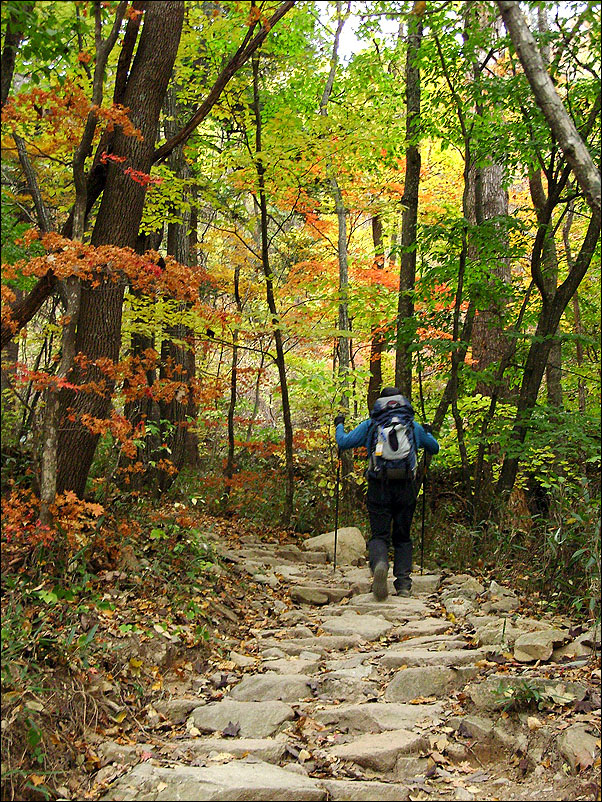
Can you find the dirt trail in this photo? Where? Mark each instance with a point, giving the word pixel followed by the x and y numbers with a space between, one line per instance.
pixel 449 694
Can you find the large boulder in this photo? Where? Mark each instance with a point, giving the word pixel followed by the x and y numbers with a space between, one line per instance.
pixel 351 545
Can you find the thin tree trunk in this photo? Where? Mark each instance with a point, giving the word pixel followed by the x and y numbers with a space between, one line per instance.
pixel 17 24
pixel 233 389
pixel 377 340
pixel 581 388
pixel 407 268
pixel 271 301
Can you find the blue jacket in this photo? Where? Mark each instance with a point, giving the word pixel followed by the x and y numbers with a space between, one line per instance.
pixel 359 437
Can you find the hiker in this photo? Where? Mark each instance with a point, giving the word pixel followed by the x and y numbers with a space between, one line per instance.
pixel 392 438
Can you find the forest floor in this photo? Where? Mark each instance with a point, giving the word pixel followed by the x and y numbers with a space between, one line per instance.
pixel 300 685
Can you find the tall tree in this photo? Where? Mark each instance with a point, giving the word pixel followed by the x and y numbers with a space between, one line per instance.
pixel 407 262
pixel 99 326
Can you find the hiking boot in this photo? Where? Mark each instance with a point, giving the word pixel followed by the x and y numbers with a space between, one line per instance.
pixel 379 582
pixel 404 590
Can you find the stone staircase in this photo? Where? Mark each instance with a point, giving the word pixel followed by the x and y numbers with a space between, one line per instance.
pixel 346 698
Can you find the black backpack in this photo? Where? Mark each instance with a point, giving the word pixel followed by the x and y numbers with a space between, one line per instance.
pixel 392 449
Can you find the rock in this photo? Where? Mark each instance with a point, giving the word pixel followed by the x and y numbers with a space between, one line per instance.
pixel 459 606
pixel 176 710
pixel 377 716
pixel 416 656
pixel 537 645
pixel 256 719
pixel 497 691
pixel 241 660
pixel 368 627
pixel 478 728
pixel 304 595
pixel 425 584
pixel 380 752
pixel 319 644
pixel 295 665
pixel 504 605
pixel 464 794
pixel 578 747
pixel 414 683
pixel 497 591
pixel 340 687
pixel 425 627
pixel 234 781
pixel 352 790
pixel 469 589
pixel 393 608
pixel 351 545
pixel 491 630
pixel 456 579
pixel 267 749
pixel 272 687
pixel 123 754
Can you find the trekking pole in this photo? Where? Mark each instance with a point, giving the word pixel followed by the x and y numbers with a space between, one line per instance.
pixel 336 509
pixel 423 469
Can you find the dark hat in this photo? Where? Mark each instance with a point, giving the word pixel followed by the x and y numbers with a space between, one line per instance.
pixel 387 392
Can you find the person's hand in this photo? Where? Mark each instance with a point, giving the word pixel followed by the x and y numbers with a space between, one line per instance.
pixel 427 428
pixel 339 419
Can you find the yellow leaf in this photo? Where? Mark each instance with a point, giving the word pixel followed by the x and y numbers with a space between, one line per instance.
pixel 37 779
pixel 120 716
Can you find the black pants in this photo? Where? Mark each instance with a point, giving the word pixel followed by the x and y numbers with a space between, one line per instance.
pixel 391 506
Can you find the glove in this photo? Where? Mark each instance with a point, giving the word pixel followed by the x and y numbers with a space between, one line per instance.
pixel 427 428
pixel 339 419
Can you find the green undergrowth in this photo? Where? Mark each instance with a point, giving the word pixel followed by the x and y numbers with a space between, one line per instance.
pixel 87 640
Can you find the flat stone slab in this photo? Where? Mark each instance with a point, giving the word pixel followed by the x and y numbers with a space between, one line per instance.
pixel 416 683
pixel 293 665
pixel 319 644
pixel 352 790
pixel 306 592
pixel 424 627
pixel 380 752
pixel 256 719
pixel 272 687
pixel 368 627
pixel 425 584
pixel 309 595
pixel 416 656
pixel 497 691
pixel 267 749
pixel 377 716
pixel 231 782
pixel 393 608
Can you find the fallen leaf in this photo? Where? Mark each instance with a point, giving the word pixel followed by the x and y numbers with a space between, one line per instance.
pixel 533 723
pixel 37 779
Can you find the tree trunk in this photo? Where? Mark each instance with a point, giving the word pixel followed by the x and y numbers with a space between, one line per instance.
pixel 271 301
pixel 99 328
pixel 377 338
pixel 17 24
pixel 537 357
pixel 561 125
pixel 406 325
